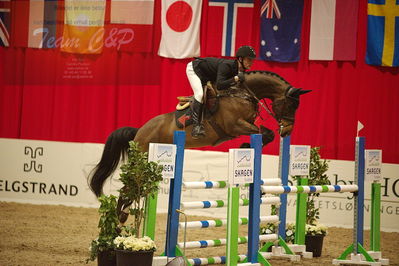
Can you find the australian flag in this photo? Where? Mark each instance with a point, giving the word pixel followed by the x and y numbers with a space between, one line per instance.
pixel 281 23
pixel 5 22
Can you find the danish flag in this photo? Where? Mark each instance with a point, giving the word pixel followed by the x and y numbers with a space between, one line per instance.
pixel 270 7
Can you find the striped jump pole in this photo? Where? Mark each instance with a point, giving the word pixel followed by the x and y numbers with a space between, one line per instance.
pixel 232 240
pixel 356 249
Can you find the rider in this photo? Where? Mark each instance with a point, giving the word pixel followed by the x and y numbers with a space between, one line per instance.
pixel 221 72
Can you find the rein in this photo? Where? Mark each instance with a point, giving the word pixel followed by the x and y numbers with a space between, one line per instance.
pixel 262 104
pixel 266 107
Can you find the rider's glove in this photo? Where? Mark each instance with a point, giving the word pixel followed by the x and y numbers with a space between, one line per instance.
pixel 241 77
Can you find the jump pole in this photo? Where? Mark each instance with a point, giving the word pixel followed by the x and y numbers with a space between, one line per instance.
pixel 356 249
pixel 284 161
pixel 232 240
pixel 375 223
pixel 151 202
pixel 172 229
pixel 358 205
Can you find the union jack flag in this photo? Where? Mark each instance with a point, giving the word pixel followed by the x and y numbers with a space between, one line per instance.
pixel 270 7
pixel 5 22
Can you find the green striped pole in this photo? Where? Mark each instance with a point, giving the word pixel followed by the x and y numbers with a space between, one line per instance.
pixel 375 216
pixel 301 212
pixel 232 226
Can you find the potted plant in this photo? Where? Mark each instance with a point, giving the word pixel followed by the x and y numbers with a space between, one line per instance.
pixel 103 246
pixel 272 228
pixel 140 179
pixel 315 231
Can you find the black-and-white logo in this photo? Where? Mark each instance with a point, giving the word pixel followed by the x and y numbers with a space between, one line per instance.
pixel 33 165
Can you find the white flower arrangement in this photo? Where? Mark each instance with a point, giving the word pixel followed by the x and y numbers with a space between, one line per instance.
pixel 135 244
pixel 316 229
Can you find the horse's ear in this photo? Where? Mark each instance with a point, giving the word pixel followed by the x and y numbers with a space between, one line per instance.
pixel 293 92
pixel 296 92
pixel 301 91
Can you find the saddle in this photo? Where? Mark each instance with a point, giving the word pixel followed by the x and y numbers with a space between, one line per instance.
pixel 183 112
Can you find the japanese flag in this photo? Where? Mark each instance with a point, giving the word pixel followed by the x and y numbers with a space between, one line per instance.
pixel 180 28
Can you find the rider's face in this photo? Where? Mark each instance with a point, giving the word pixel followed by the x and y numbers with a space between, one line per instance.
pixel 247 62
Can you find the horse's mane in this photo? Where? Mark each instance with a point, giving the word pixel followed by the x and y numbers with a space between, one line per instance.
pixel 264 72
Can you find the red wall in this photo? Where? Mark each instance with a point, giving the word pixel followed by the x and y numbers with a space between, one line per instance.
pixel 39 101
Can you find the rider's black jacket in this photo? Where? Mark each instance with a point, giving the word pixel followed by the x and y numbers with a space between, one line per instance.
pixel 219 71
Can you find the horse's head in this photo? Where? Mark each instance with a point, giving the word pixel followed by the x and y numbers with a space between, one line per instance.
pixel 284 109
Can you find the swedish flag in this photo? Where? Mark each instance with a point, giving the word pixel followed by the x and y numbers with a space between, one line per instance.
pixel 383 33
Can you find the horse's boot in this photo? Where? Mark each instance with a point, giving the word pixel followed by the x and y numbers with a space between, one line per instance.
pixel 198 128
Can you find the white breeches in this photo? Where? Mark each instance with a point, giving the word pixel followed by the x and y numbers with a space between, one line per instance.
pixel 195 82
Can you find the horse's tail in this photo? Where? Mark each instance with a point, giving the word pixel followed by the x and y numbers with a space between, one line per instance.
pixel 116 147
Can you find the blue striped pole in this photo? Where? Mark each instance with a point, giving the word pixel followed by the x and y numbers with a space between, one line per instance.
pixel 254 200
pixel 284 162
pixel 172 229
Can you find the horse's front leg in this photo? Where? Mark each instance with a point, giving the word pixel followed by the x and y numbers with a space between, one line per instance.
pixel 243 127
pixel 247 128
pixel 267 135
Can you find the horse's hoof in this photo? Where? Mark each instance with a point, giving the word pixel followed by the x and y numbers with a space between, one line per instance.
pixel 123 217
pixel 245 145
pixel 267 135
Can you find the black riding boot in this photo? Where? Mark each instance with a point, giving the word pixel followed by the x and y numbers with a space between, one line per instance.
pixel 198 129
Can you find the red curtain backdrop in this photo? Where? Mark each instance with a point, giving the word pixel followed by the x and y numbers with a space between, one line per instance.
pixel 49 95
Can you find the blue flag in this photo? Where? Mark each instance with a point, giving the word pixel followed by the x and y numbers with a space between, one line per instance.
pixel 383 33
pixel 281 23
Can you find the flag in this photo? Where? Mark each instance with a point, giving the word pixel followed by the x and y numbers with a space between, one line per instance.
pixel 5 22
pixel 84 26
pixel 333 30
pixel 383 33
pixel 34 23
pixel 42 23
pixel 359 127
pixel 180 23
pixel 132 22
pixel 228 26
pixel 281 23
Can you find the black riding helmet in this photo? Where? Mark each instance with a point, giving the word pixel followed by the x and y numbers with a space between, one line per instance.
pixel 246 51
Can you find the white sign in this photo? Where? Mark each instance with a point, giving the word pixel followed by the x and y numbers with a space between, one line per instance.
pixel 299 160
pixel 165 155
pixel 373 165
pixel 241 166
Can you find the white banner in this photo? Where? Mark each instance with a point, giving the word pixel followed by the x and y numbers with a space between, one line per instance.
pixel 44 172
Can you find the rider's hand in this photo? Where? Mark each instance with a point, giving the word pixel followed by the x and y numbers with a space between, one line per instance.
pixel 240 77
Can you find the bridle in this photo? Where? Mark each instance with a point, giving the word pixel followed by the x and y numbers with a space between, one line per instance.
pixel 264 105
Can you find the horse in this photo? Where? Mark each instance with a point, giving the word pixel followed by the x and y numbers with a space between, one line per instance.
pixel 237 109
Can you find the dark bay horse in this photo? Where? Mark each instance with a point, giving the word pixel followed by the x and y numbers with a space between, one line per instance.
pixel 236 114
